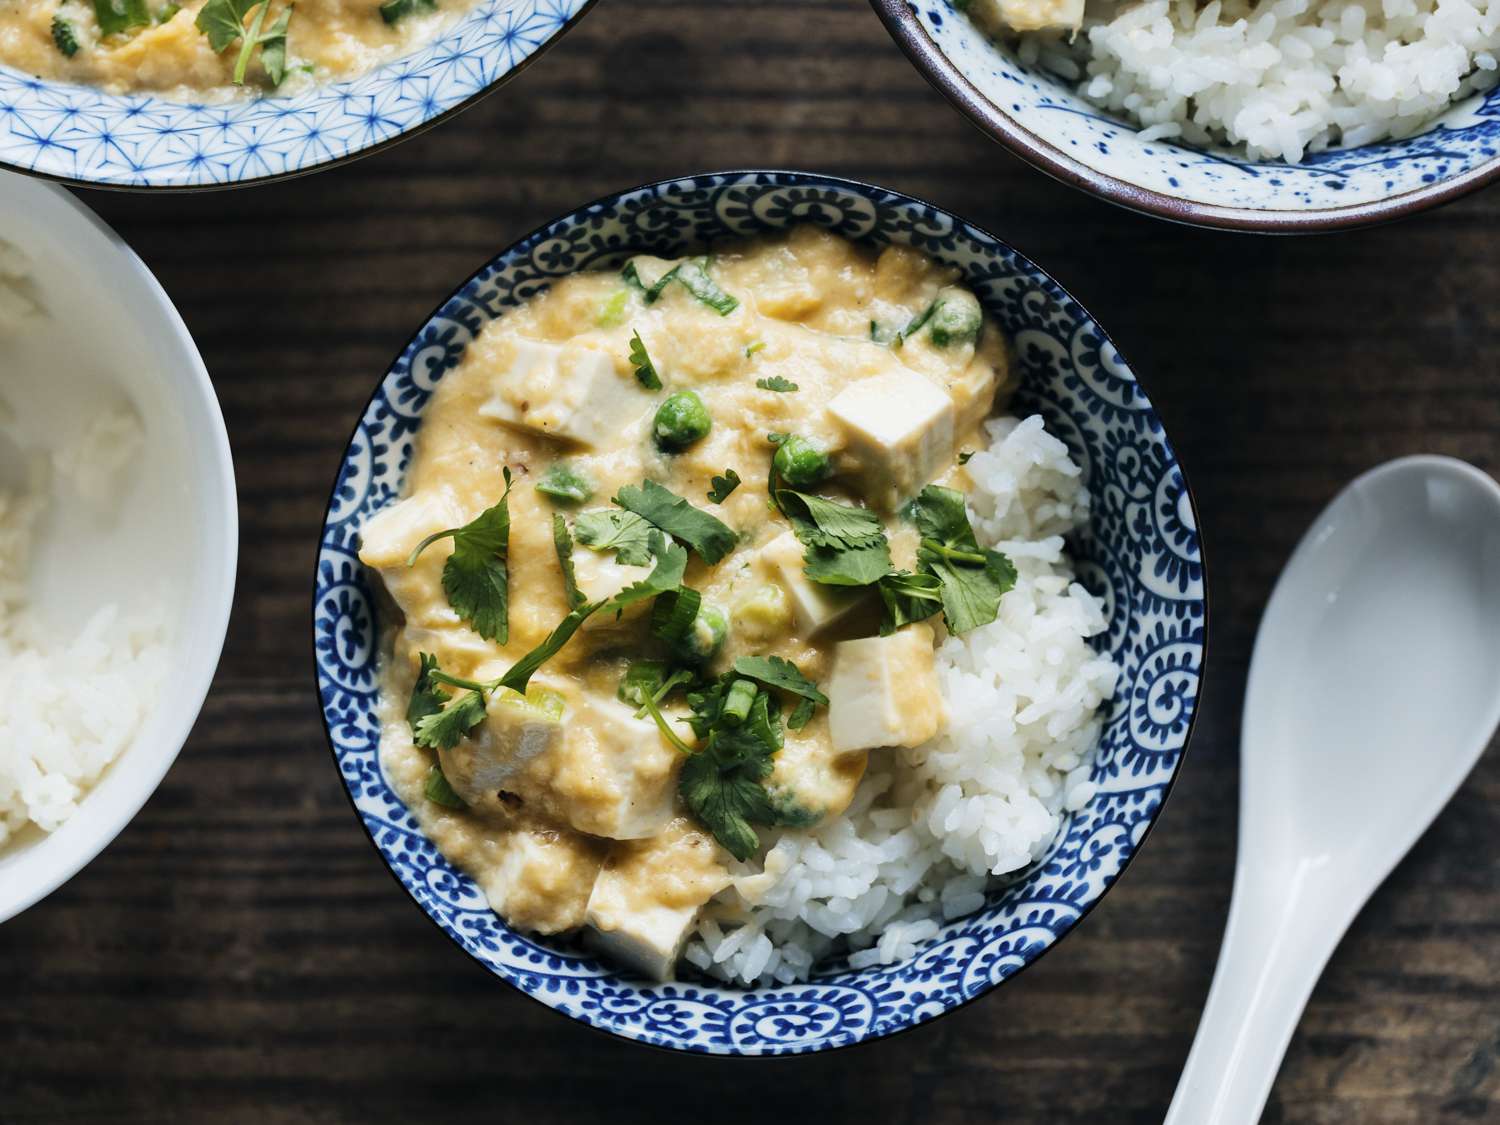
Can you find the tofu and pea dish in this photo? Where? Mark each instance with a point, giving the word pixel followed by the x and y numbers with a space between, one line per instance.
pixel 735 624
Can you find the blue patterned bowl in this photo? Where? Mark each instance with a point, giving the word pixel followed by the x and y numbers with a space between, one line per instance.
pixel 81 135
pixel 1141 553
pixel 1038 117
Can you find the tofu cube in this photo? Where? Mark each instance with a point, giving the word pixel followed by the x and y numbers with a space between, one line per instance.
pixel 648 895
pixel 543 880
pixel 814 605
pixel 567 392
pixel 899 430
pixel 1039 15
pixel 614 776
pixel 883 691
pixel 388 538
pixel 488 768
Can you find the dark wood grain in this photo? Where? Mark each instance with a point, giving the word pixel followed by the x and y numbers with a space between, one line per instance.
pixel 241 954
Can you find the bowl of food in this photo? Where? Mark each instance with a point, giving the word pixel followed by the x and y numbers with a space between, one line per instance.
pixel 758 612
pixel 212 93
pixel 1283 116
pixel 118 537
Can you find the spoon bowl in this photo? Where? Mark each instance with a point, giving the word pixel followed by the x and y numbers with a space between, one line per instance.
pixel 1374 688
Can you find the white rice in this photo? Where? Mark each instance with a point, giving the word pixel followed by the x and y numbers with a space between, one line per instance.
pixel 71 704
pixel 931 829
pixel 1281 77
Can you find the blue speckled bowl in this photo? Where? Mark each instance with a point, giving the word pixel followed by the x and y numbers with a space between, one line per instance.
pixel 1142 554
pixel 1038 117
pixel 81 135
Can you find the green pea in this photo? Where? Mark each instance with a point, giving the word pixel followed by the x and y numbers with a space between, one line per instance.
pixel 564 484
pixel 801 463
pixel 956 318
pixel 680 421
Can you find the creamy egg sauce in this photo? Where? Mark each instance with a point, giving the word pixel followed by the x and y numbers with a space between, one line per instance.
pixel 189 51
pixel 566 804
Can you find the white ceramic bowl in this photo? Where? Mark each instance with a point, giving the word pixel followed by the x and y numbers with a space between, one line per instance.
pixel 176 530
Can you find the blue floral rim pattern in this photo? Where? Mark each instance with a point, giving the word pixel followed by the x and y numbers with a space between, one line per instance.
pixel 1038 115
pixel 86 136
pixel 1141 554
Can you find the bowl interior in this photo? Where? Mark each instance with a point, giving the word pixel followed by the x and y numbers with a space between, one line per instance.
pixel 110 337
pixel 1141 553
pixel 87 136
pixel 1067 135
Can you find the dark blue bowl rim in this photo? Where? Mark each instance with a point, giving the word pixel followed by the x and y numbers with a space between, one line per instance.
pixel 791 178
pixel 322 165
pixel 1001 127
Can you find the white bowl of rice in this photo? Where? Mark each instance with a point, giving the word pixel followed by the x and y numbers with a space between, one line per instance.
pixel 118 537
pixel 1281 116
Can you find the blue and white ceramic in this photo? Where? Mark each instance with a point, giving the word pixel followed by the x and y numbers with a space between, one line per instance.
pixel 1038 116
pixel 1142 553
pixel 85 136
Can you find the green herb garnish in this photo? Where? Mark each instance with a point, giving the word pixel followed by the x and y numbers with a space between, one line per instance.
pixel 774 671
pixel 776 383
pixel 973 578
pixel 671 564
pixel 845 545
pixel 394 11
pixel 693 276
pixel 562 542
pixel 64 36
pixel 476 576
pixel 963 458
pixel 116 16
pixel 563 484
pixel 710 537
pixel 721 784
pixel 437 789
pixel 645 370
pixel 612 312
pixel 723 486
pixel 673 616
pixel 752 348
pixel 625 533
pixel 426 697
pixel 223 21
pixel 442 730
pixel 908 597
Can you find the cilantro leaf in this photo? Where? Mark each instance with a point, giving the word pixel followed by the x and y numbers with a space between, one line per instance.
pixel 522 670
pixel 776 383
pixel 802 715
pixel 394 11
pixel 673 616
pixel 443 729
pixel 426 697
pixel 64 36
pixel 973 578
pixel 963 458
pixel 693 276
pixel 721 787
pixel 223 21
pixel 710 537
pixel 562 542
pixel 845 545
pixel 476 576
pixel 626 533
pixel 671 564
pixel 908 597
pixel 723 486
pixel 273 48
pixel 777 672
pixel 437 790
pixel 642 680
pixel 645 370
pixel 115 16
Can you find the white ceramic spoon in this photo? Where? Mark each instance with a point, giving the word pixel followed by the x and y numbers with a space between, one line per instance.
pixel 1374 688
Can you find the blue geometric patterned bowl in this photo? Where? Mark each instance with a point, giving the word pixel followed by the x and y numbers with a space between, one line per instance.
pixel 1141 553
pixel 1038 116
pixel 82 135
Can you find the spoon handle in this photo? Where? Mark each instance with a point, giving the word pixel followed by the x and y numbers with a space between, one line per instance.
pixel 1282 928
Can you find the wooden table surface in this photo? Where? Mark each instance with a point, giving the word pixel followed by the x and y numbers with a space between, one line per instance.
pixel 240 954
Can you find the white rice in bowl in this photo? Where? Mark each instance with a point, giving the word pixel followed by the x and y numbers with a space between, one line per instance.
pixel 931 828
pixel 1281 78
pixel 72 703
